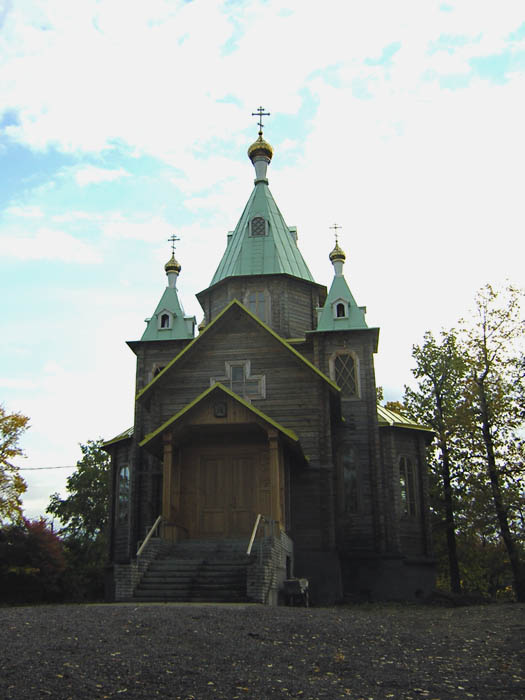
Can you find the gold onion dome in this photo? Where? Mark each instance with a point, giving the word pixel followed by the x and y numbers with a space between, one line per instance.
pixel 172 265
pixel 337 254
pixel 260 148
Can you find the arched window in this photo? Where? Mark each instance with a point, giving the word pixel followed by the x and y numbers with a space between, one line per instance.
pixel 258 226
pixel 407 486
pixel 165 321
pixel 344 374
pixel 123 494
pixel 340 310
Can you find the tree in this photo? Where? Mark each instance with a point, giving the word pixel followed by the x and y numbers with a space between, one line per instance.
pixel 84 514
pixel 12 485
pixel 493 343
pixel 441 371
pixel 31 562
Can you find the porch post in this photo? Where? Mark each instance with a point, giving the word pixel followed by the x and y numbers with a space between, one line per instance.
pixel 275 481
pixel 167 484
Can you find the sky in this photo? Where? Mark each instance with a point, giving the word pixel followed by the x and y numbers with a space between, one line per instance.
pixel 122 123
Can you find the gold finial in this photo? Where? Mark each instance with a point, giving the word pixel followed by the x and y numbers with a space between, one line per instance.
pixel 260 147
pixel 337 253
pixel 173 265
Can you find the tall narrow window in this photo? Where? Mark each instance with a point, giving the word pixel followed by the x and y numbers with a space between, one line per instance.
pixel 257 304
pixel 165 321
pixel 123 494
pixel 350 481
pixel 340 310
pixel 407 487
pixel 345 374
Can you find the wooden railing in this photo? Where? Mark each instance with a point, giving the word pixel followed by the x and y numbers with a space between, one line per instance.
pixel 152 530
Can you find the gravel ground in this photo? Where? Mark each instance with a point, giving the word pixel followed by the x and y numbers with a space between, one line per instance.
pixel 364 652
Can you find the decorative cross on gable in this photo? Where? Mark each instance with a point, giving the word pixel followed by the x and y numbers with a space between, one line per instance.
pixel 238 377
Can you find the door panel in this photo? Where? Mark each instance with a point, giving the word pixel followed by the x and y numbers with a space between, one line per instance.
pixel 221 494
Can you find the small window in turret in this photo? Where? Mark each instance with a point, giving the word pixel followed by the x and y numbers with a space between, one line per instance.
pixel 258 226
pixel 165 321
pixel 340 310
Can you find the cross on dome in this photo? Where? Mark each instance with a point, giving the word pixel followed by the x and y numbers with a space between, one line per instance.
pixel 260 113
pixel 335 227
pixel 173 239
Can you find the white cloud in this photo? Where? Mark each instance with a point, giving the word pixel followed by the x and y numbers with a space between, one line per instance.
pixel 120 227
pixel 90 175
pixel 48 244
pixel 26 212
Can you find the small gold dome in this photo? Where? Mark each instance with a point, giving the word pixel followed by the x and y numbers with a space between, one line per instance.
pixel 337 254
pixel 172 265
pixel 260 148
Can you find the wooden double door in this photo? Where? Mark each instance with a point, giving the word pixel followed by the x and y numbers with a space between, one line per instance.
pixel 222 490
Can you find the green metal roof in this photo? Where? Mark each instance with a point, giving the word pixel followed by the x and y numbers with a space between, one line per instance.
pixel 125 435
pixel 276 252
pixel 179 328
pixel 386 417
pixel 355 317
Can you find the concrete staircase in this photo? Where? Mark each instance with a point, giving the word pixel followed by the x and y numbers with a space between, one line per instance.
pixel 196 572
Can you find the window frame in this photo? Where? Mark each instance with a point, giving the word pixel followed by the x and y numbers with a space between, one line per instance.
pixel 160 316
pixel 122 506
pixel 228 380
pixel 333 374
pixel 250 227
pixel 266 300
pixel 408 487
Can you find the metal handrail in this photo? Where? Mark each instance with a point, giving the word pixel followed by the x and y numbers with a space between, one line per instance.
pixel 149 535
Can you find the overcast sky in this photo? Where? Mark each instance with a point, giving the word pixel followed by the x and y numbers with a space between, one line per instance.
pixel 124 122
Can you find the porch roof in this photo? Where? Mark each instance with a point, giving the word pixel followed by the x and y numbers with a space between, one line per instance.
pixel 290 436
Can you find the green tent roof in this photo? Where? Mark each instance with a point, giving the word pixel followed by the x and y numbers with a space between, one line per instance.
pixel 180 327
pixel 273 253
pixel 355 315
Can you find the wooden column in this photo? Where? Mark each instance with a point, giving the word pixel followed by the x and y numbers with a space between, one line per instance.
pixel 275 482
pixel 167 486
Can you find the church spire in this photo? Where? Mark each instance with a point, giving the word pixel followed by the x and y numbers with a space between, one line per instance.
pixel 340 312
pixel 169 322
pixel 262 243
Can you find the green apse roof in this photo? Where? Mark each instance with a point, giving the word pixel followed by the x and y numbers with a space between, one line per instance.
pixel 179 327
pixel 354 317
pixel 272 253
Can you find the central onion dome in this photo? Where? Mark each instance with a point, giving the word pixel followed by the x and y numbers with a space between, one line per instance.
pixel 260 148
pixel 337 254
pixel 172 265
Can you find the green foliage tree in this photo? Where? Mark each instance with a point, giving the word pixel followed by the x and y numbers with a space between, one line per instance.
pixel 441 371
pixel 84 515
pixel 12 485
pixel 471 392
pixel 493 344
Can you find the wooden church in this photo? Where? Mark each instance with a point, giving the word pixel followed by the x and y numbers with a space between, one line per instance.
pixel 259 454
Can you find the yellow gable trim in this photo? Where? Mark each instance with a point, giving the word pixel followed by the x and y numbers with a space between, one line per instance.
pixel 219 387
pixel 283 342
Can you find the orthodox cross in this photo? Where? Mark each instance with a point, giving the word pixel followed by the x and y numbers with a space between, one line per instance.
pixel 260 113
pixel 335 227
pixel 173 239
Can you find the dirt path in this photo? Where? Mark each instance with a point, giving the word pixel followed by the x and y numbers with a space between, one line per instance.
pixel 192 652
